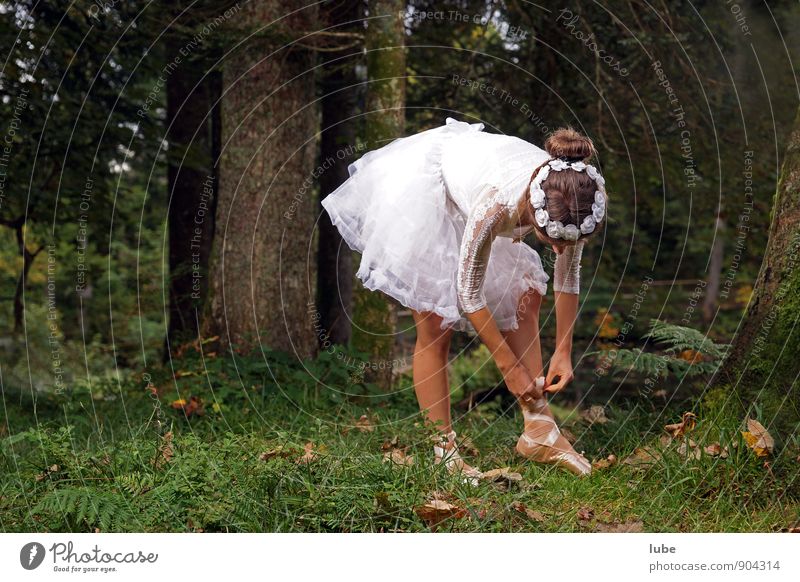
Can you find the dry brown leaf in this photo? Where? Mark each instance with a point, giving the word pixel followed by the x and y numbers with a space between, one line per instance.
pixel 716 450
pixel 398 457
pixel 503 476
pixel 642 456
pixel 279 451
pixel 437 510
pixel 758 439
pixel 585 514
pixel 635 526
pixel 165 451
pixel 689 450
pixel 595 414
pixel 364 424
pixel 392 444
pixel 531 513
pixel 687 424
pixel 309 454
pixel 660 393
pixel 605 463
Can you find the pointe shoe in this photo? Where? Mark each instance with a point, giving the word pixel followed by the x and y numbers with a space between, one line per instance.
pixel 543 442
pixel 453 461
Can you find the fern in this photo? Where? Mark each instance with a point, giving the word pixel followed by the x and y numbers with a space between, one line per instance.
pixel 88 509
pixel 678 340
pixel 681 338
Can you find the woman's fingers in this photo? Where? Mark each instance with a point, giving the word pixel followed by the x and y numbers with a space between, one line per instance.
pixel 558 386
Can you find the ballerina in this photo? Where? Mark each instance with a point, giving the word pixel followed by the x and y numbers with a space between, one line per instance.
pixel 438 218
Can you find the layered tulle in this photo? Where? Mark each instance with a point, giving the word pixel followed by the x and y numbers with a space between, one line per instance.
pixel 395 210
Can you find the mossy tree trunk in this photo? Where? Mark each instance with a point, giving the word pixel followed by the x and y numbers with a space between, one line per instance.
pixel 261 278
pixel 764 362
pixel 375 317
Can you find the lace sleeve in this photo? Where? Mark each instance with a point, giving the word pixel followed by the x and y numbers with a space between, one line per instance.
pixel 567 271
pixel 476 247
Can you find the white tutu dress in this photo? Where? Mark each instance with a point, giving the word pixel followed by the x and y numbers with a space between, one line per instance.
pixel 434 218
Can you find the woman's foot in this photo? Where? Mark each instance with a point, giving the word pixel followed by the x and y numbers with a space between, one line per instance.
pixel 446 451
pixel 542 442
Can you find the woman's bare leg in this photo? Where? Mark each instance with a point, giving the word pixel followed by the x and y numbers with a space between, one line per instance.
pixel 524 341
pixel 430 368
pixel 539 442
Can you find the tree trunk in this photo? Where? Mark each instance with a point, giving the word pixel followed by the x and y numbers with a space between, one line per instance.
pixel 711 299
pixel 261 280
pixel 340 100
pixel 763 364
pixel 192 121
pixel 374 315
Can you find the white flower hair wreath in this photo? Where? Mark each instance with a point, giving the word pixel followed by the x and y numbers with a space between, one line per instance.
pixel 554 228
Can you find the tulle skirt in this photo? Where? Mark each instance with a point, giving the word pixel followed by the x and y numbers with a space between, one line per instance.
pixel 395 210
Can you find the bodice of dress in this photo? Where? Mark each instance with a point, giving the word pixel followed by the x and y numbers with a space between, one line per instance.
pixel 486 176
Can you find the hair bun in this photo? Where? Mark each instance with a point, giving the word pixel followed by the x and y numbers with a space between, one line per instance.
pixel 569 145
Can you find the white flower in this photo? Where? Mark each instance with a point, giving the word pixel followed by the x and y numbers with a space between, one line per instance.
pixel 571 232
pixel 599 198
pixel 600 180
pixel 558 165
pixel 537 197
pixel 542 217
pixel 591 171
pixel 588 224
pixel 555 229
pixel 541 176
pixel 598 212
pixel 578 166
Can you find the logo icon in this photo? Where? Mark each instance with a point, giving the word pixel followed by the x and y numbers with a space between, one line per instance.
pixel 31 555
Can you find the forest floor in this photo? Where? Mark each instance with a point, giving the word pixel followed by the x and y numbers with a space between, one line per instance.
pixel 270 445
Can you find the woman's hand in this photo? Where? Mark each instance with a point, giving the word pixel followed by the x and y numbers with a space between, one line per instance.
pixel 521 384
pixel 561 368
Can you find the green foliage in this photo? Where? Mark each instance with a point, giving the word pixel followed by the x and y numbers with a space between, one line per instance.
pixel 685 352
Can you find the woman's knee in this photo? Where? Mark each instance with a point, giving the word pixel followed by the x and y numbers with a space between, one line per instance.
pixel 529 304
pixel 430 335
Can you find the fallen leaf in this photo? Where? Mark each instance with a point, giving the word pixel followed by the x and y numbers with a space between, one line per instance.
pixel 605 463
pixel 691 356
pixel 642 456
pixel 660 393
pixel 279 451
pixel 585 514
pixel 165 451
pixel 398 457
pixel 687 424
pixel 758 439
pixel 595 414
pixel 531 513
pixel 194 407
pixel 615 527
pixel 309 455
pixel 503 476
pixel 715 450
pixel 436 511
pixel 392 444
pixel 184 373
pixel 689 450
pixel 364 424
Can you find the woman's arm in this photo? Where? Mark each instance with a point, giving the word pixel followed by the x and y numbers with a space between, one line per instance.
pixel 474 258
pixel 566 284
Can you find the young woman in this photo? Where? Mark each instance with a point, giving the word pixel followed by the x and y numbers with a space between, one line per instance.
pixel 437 218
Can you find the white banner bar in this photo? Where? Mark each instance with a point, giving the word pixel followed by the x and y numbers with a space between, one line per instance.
pixel 401 557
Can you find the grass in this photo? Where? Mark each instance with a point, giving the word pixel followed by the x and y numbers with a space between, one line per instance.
pixel 117 458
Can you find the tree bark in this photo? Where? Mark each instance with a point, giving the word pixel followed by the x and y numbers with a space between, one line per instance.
pixel 192 121
pixel 261 280
pixel 711 299
pixel 763 365
pixel 374 315
pixel 340 103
